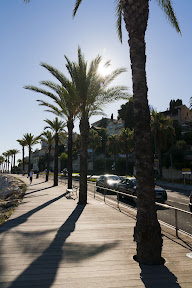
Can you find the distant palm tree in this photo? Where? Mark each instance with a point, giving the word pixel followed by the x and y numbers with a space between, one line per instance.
pixel 2 159
pixel 113 148
pixel 9 153
pixel 5 162
pixel 135 14
pixel 126 143
pixel 65 105
pixel 94 142
pixel 163 133
pixel 30 141
pixel 47 137
pixel 57 127
pixel 14 151
pixel 23 143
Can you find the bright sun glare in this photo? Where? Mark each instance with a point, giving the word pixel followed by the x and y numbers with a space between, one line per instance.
pixel 104 69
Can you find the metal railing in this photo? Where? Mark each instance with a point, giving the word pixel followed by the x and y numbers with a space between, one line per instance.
pixel 64 180
pixel 135 197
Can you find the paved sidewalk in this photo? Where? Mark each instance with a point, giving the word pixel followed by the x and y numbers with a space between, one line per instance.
pixel 50 241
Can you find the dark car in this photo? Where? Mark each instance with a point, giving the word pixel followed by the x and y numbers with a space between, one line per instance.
pixel 128 186
pixel 107 181
pixel 190 202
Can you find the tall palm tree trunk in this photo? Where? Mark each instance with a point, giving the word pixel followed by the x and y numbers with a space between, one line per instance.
pixel 13 163
pixel 23 151
pixel 56 160
pixel 48 163
pixel 84 130
pixel 29 163
pixel 70 127
pixel 147 232
pixel 8 164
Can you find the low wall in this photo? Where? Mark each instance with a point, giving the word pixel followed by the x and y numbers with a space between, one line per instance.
pixel 173 174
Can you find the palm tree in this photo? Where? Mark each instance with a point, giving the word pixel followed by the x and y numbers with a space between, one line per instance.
pixel 14 152
pixel 94 142
pixel 113 148
pixel 92 93
pixel 5 162
pixel 23 143
pixel 147 232
pixel 30 140
pixel 47 137
pixel 163 133
pixel 9 153
pixel 2 159
pixel 126 143
pixel 65 105
pixel 57 127
pixel 83 95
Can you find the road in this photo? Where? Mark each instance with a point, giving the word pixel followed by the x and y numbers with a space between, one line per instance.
pixel 178 199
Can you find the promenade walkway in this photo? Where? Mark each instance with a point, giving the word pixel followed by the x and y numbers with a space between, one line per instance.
pixel 50 241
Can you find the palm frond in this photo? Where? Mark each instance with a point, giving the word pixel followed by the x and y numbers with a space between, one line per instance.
pixel 42 91
pixel 56 73
pixel 119 19
pixel 55 125
pixel 53 108
pixel 107 63
pixel 109 78
pixel 166 6
pixel 78 2
pixel 113 94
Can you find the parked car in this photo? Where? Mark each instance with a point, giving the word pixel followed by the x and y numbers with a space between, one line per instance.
pixel 190 202
pixel 128 186
pixel 109 181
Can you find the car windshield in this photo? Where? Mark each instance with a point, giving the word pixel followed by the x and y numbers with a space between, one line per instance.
pixel 113 177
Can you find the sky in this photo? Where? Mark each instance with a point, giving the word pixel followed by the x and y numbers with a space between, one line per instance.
pixel 45 31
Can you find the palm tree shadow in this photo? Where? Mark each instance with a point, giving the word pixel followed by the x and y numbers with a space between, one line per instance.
pixel 36 184
pixel 158 276
pixel 23 218
pixel 36 273
pixel 35 191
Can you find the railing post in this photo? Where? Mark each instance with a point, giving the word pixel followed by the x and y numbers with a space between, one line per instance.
pixel 176 223
pixel 94 191
pixel 117 200
pixel 104 194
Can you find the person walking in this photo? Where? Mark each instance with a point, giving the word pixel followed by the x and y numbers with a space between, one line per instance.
pixel 31 176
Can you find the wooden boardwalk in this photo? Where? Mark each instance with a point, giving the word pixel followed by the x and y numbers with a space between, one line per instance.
pixel 50 241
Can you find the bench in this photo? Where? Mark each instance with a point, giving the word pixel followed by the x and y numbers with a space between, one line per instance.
pixel 72 191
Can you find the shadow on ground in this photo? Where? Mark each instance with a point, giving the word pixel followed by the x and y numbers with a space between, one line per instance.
pixel 158 276
pixel 23 218
pixel 35 191
pixel 43 270
pixel 36 184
